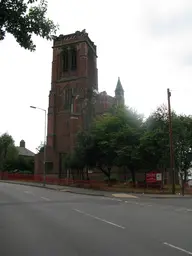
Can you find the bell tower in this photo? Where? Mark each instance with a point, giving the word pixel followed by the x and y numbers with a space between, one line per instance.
pixel 74 73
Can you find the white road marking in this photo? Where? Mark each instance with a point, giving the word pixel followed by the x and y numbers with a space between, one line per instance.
pixel 180 209
pixel 129 202
pixel 189 210
pixel 28 192
pixel 97 218
pixel 178 248
pixel 45 198
pixel 166 207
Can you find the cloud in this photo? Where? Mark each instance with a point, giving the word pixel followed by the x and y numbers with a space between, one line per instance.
pixel 187 59
pixel 175 24
pixel 168 25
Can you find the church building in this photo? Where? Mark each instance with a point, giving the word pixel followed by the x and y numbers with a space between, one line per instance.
pixel 74 99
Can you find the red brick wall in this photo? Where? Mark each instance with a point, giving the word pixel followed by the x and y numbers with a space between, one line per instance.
pixel 61 130
pixel 39 163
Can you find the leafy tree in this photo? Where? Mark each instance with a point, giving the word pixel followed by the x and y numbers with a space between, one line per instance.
pixel 74 164
pixel 122 138
pixel 103 133
pixel 154 142
pixel 112 141
pixel 9 158
pixel 182 135
pixel 127 140
pixel 40 148
pixel 8 151
pixel 23 18
pixel 85 153
pixel 23 163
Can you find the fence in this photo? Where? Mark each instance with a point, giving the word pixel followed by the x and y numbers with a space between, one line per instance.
pixel 50 179
pixel 94 184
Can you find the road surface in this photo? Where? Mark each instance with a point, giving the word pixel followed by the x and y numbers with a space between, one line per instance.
pixel 41 222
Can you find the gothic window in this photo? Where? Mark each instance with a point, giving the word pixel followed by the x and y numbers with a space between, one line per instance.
pixel 73 59
pixel 67 98
pixel 65 60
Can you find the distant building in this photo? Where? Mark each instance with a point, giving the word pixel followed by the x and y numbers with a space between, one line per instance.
pixel 23 151
pixel 74 99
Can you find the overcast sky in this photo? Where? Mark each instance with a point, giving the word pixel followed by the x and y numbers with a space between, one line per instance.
pixel 148 43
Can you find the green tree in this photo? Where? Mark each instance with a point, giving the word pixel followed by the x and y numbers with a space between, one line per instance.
pixel 8 152
pixel 40 148
pixel 127 140
pixel 103 147
pixel 121 137
pixel 182 136
pixel 24 164
pixel 85 153
pixel 74 164
pixel 112 140
pixel 23 18
pixel 154 142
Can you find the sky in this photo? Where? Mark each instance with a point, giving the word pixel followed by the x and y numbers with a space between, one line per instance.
pixel 147 43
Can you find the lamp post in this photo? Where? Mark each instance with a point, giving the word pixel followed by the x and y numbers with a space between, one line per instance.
pixel 44 169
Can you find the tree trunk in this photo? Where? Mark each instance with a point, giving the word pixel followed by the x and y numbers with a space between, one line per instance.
pixel 109 176
pixel 185 176
pixel 87 173
pixel 72 173
pixel 125 173
pixel 182 184
pixel 133 177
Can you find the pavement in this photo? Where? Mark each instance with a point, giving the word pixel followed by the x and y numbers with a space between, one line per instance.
pixel 47 222
pixel 61 188
pixel 71 189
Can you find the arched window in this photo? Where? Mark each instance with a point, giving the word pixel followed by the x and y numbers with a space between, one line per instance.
pixel 73 59
pixel 65 60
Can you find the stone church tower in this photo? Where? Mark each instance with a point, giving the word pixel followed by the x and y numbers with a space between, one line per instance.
pixel 74 75
pixel 73 99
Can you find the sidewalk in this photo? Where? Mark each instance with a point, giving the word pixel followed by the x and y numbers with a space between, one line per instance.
pixel 167 196
pixel 61 188
pixel 92 192
pixel 68 189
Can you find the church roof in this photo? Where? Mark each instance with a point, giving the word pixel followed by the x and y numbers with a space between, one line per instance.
pixel 25 152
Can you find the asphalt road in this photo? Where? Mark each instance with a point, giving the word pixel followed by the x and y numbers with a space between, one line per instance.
pixel 40 222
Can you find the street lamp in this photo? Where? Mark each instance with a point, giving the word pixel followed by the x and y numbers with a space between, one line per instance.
pixel 44 171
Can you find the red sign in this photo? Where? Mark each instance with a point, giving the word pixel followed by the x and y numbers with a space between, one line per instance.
pixel 153 177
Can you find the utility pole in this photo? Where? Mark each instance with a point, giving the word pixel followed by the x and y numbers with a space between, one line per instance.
pixel 172 165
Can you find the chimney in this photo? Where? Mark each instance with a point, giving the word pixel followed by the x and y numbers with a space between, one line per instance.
pixel 22 144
